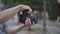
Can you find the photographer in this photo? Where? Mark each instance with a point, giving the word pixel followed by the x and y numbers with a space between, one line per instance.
pixel 7 14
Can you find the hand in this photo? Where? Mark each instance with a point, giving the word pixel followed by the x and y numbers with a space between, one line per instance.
pixel 24 7
pixel 28 22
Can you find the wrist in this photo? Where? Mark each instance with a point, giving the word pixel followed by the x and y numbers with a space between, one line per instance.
pixel 18 8
pixel 22 25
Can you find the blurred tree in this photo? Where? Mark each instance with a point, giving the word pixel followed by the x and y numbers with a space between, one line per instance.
pixel 52 8
pixel 37 5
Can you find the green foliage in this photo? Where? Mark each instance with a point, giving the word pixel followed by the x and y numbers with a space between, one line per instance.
pixel 37 5
pixel 52 8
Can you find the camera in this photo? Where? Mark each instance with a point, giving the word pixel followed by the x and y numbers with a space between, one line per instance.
pixel 22 17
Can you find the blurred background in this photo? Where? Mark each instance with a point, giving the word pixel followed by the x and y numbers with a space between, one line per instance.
pixel 52 13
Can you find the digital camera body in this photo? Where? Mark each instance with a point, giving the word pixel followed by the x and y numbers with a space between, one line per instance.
pixel 22 17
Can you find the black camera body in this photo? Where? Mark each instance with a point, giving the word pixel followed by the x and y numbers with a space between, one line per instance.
pixel 22 17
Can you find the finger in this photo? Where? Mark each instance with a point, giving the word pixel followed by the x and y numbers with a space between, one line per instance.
pixel 26 20
pixel 33 23
pixel 30 10
pixel 29 21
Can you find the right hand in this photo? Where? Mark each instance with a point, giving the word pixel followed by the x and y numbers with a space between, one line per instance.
pixel 27 22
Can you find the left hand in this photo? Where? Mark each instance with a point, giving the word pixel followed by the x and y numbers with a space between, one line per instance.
pixel 24 7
